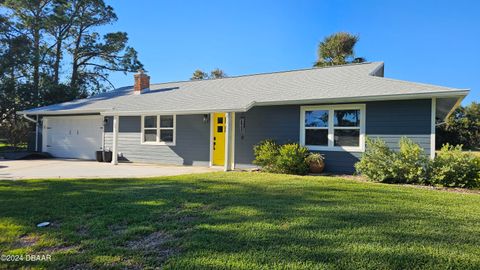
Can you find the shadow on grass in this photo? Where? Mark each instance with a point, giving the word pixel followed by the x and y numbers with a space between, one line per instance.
pixel 239 221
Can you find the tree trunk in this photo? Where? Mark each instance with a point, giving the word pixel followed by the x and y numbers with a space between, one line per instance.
pixel 36 64
pixel 58 58
pixel 74 79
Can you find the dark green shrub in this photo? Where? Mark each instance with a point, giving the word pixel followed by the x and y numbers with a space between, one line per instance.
pixel 454 168
pixel 377 161
pixel 266 153
pixel 287 158
pixel 291 159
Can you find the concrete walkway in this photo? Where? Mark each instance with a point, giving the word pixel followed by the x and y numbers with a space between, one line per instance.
pixel 61 168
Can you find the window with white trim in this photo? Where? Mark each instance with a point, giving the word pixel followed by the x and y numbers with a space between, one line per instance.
pixel 334 127
pixel 158 129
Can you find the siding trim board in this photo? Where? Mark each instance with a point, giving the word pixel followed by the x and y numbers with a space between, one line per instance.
pixel 210 151
pixel 432 127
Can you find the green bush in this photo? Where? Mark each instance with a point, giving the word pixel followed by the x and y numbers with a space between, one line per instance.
pixel 287 158
pixel 291 159
pixel 410 163
pixel 451 167
pixel 266 153
pixel 377 161
pixel 454 168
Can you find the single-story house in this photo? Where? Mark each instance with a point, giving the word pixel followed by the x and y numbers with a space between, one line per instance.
pixel 217 122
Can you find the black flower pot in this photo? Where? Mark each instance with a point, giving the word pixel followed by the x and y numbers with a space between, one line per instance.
pixel 107 156
pixel 99 155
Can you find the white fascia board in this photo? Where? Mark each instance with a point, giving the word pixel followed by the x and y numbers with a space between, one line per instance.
pixel 60 112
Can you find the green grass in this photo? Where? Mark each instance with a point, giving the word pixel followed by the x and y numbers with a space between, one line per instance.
pixel 239 221
pixel 4 147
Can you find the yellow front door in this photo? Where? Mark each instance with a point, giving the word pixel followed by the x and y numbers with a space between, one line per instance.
pixel 219 138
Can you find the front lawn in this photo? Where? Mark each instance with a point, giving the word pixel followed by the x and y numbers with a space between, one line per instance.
pixel 238 221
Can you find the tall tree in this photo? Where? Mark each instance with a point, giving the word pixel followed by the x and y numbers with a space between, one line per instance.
pixel 59 26
pixel 94 56
pixel 15 59
pixel 28 18
pixel 338 49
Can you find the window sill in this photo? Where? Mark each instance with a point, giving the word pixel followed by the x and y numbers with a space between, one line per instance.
pixel 336 148
pixel 158 143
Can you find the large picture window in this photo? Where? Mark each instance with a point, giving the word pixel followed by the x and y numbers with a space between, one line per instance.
pixel 334 128
pixel 158 129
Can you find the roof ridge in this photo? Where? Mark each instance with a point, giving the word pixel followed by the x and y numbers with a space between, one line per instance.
pixel 272 72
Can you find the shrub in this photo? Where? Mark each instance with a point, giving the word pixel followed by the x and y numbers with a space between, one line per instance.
pixel 291 159
pixel 454 168
pixel 380 163
pixel 288 158
pixel 377 161
pixel 410 163
pixel 266 153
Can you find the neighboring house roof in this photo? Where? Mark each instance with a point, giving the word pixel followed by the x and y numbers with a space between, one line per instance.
pixel 347 83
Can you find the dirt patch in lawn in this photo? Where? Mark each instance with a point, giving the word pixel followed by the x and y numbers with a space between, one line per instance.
pixel 158 244
pixel 27 241
pixel 61 249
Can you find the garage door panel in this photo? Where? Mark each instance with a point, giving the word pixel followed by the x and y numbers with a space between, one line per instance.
pixel 74 137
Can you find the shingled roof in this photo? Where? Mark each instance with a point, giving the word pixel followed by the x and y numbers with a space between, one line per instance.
pixel 348 83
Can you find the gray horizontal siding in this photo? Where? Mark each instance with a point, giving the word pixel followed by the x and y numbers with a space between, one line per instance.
pixel 388 120
pixel 340 162
pixel 192 142
pixel 280 123
pixel 402 117
pixel 393 140
pixel 127 124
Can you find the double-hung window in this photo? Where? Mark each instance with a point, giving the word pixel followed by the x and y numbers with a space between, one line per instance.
pixel 158 129
pixel 333 128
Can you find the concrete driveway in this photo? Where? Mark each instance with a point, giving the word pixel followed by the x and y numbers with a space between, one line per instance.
pixel 61 168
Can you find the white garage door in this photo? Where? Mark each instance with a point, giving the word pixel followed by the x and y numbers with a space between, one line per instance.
pixel 73 136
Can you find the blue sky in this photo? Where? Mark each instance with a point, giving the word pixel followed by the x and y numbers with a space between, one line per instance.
pixel 433 42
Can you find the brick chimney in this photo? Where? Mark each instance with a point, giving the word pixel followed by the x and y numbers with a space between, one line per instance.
pixel 142 82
